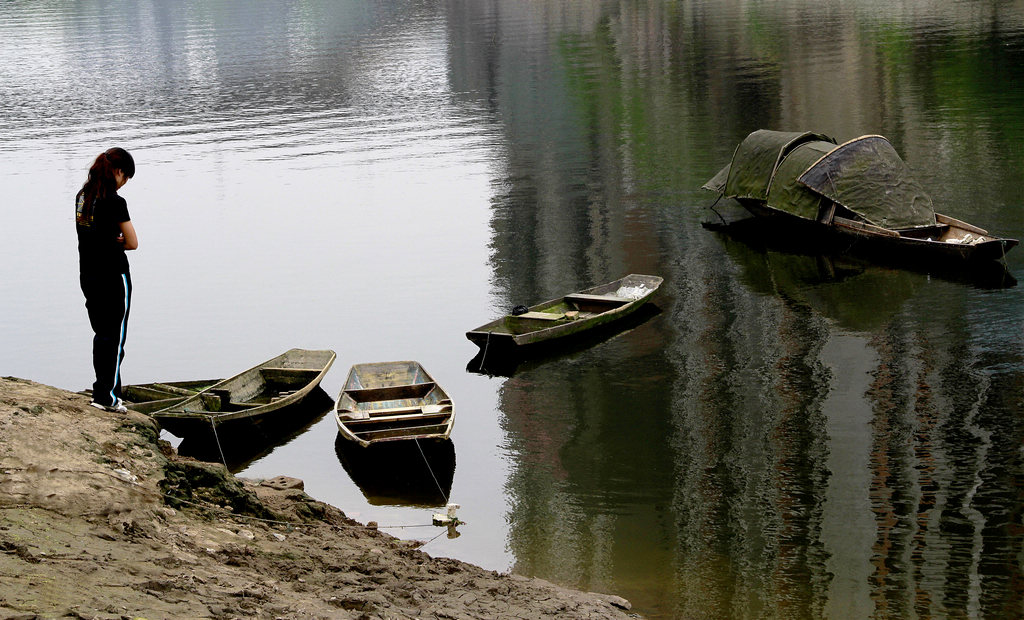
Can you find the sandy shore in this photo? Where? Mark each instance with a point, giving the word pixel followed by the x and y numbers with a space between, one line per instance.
pixel 100 519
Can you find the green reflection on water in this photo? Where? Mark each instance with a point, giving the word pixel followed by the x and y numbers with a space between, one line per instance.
pixel 810 436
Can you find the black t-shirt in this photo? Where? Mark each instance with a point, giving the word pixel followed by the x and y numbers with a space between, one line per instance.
pixel 99 251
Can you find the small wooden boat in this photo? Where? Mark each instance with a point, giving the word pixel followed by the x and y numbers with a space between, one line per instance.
pixel 150 397
pixel 510 362
pixel 568 315
pixel 859 196
pixel 268 388
pixel 393 401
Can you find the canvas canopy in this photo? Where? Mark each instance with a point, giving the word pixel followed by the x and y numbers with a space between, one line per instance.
pixel 755 160
pixel 795 171
pixel 785 193
pixel 868 177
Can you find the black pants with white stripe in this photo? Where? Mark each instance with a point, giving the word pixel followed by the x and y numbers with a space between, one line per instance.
pixel 108 298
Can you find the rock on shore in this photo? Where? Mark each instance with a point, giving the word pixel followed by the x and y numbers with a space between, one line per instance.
pixel 100 519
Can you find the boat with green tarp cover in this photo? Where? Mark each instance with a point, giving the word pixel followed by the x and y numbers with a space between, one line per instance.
pixel 860 191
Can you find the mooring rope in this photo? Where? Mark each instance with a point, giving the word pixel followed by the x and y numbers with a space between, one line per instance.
pixel 483 357
pixel 216 437
pixel 423 454
pixel 712 207
pixel 430 469
pixel 224 461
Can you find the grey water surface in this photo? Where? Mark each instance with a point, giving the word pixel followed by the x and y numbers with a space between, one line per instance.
pixel 788 436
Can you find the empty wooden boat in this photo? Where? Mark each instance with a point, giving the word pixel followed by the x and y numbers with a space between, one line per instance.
pixel 268 388
pixel 393 401
pixel 568 315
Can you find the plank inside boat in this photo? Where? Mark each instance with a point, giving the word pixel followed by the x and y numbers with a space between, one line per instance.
pixel 392 401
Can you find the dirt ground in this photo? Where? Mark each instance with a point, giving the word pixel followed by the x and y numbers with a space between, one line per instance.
pixel 100 519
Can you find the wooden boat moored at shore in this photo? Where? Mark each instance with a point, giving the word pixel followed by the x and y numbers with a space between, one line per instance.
pixel 267 388
pixel 859 196
pixel 393 401
pixel 568 315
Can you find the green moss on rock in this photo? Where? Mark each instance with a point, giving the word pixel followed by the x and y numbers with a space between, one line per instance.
pixel 205 486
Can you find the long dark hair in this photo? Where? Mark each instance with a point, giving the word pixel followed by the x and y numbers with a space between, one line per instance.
pixel 101 182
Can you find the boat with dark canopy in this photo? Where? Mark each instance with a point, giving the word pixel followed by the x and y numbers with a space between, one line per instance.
pixel 861 192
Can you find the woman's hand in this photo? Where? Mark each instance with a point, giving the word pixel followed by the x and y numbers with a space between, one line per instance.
pixel 128 238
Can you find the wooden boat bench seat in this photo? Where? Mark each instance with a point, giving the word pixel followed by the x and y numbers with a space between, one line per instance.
pixel 400 433
pixel 855 225
pixel 541 316
pixel 275 373
pixel 924 232
pixel 431 418
pixel 393 392
pixel 173 389
pixel 394 413
pixel 578 297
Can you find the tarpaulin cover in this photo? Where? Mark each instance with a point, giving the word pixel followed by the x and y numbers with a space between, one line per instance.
pixel 785 192
pixel 868 177
pixel 756 159
pixel 717 182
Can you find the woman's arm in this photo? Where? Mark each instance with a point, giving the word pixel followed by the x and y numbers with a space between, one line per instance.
pixel 128 236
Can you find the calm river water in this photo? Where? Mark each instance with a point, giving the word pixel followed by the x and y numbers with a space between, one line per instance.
pixel 790 436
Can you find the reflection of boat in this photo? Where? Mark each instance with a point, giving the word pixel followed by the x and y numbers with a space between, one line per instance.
pixel 860 194
pixel 406 473
pixel 393 401
pixel 566 316
pixel 508 364
pixel 268 388
pixel 250 441
pixel 150 397
pixel 856 294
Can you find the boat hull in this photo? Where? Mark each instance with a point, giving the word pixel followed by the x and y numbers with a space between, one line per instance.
pixel 919 246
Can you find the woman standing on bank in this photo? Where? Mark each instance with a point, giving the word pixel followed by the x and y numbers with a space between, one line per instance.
pixel 105 232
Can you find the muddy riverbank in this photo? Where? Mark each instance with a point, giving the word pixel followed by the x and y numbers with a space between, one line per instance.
pixel 101 519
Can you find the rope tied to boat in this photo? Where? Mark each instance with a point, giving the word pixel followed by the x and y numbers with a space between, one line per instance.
pixel 713 210
pixel 483 357
pixel 216 437
pixel 430 469
pixel 451 521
